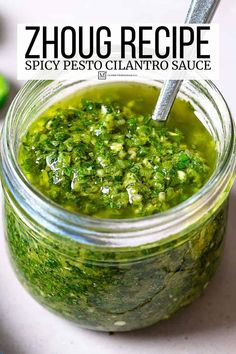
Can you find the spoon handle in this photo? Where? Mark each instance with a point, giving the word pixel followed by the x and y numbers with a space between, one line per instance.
pixel 200 11
pixel 166 99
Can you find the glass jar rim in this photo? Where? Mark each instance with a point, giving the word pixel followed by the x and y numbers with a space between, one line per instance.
pixel 116 232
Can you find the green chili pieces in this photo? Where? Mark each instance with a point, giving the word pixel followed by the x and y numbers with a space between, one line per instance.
pixel 106 160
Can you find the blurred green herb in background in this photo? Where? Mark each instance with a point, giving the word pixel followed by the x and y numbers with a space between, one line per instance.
pixel 4 90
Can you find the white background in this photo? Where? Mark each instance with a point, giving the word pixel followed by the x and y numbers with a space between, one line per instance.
pixel 206 327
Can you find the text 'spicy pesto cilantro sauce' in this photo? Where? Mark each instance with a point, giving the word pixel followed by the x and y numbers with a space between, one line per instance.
pixel 98 154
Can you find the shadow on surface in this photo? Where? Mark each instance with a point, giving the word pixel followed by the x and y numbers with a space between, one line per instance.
pixel 2 30
pixel 8 343
pixel 215 309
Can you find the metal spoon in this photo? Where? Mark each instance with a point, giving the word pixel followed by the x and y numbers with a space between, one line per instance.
pixel 200 11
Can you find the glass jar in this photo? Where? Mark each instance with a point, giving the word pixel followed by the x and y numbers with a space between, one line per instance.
pixel 115 275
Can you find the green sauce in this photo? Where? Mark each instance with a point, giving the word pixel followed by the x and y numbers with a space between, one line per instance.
pixel 101 154
pixel 105 288
pixel 119 289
